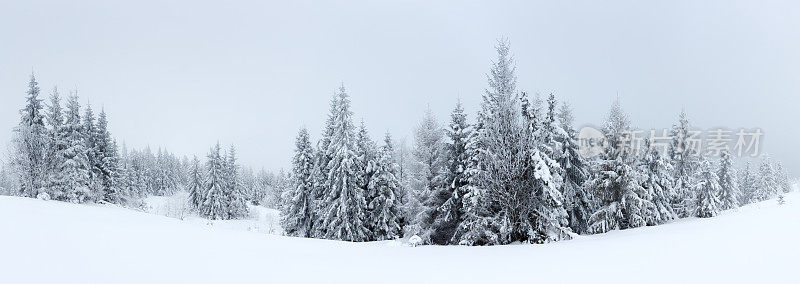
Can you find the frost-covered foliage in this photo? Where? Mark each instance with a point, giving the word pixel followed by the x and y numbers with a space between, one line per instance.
pixel 577 201
pixel 684 164
pixel 707 189
pixel 298 215
pixel 427 177
pixel 455 179
pixel 729 194
pixel 765 186
pixel 383 217
pixel 513 193
pixel 658 182
pixel 343 207
pixel 624 203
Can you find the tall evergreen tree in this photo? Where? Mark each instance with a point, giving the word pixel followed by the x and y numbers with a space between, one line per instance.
pixel 214 203
pixel 108 161
pixel 384 210
pixel 746 181
pixel 74 173
pixel 624 202
pixel 728 188
pixel 684 164
pixel 344 205
pixel 30 144
pixel 427 176
pixel 513 194
pixel 707 190
pixel 298 218
pixel 782 179
pixel 56 143
pixel 658 183
pixel 765 187
pixel 196 189
pixel 234 196
pixel 452 211
pixel 577 201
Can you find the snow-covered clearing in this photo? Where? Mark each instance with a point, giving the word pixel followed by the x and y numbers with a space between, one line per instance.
pixel 56 242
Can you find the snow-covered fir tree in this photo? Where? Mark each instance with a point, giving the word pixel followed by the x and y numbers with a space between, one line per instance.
pixel 74 173
pixel 214 202
pixel 108 161
pixel 235 200
pixel 657 180
pixel 782 179
pixel 367 155
pixel 729 194
pixel 624 203
pixel 455 178
pixel 196 189
pixel 684 164
pixel 344 206
pixel 513 193
pixel 747 182
pixel 427 177
pixel 577 201
pixel 29 153
pixel 55 144
pixel 299 216
pixel 765 186
pixel 383 218
pixel 707 189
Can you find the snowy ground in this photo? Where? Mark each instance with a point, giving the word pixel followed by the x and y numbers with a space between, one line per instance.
pixel 55 242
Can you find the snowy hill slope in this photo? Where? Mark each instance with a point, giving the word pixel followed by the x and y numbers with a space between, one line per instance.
pixel 55 242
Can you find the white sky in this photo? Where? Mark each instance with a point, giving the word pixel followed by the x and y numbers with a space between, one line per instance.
pixel 183 74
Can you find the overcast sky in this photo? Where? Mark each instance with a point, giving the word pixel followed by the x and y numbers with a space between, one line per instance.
pixel 184 74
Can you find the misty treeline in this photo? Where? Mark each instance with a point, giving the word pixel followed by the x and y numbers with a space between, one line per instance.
pixel 68 154
pixel 514 174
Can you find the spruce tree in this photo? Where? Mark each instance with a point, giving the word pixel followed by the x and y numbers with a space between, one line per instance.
pixel 214 202
pixel 729 194
pixel 74 173
pixel 56 143
pixel 707 190
pixel 427 176
pixel 577 201
pixel 344 205
pixel 624 203
pixel 196 189
pixel 455 179
pixel 384 210
pixel 298 216
pixel 30 144
pixel 684 162
pixel 657 181
pixel 765 187
pixel 746 181
pixel 234 197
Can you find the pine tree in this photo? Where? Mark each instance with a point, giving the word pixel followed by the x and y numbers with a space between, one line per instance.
pixel 196 189
pixel 298 216
pixel 765 187
pixel 74 173
pixel 344 205
pixel 513 194
pixel 384 211
pixel 56 143
pixel 367 153
pixel 30 144
pixel 746 181
pixel 234 197
pixel 108 161
pixel 729 194
pixel 214 202
pixel 577 201
pixel 782 179
pixel 658 183
pixel 452 211
pixel 624 202
pixel 427 176
pixel 92 152
pixel 707 190
pixel 684 164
